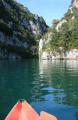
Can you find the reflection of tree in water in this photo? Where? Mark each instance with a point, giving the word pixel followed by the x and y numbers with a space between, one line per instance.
pixel 40 81
pixel 63 77
pixel 68 82
pixel 56 81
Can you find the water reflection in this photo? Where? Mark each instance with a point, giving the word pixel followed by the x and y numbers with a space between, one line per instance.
pixel 61 81
pixel 51 86
pixel 59 93
pixel 72 64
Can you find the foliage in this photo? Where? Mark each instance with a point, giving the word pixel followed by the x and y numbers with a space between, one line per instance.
pixel 67 36
pixel 24 53
pixel 15 23
pixel 5 28
pixel 68 15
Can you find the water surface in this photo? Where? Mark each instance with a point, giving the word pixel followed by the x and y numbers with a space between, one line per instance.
pixel 51 86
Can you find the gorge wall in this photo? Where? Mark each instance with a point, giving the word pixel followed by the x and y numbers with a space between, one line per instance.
pixel 61 40
pixel 19 31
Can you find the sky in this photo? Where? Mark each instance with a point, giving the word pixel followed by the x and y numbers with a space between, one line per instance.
pixel 48 9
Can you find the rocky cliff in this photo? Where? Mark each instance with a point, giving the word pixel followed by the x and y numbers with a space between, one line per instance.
pixel 74 3
pixel 61 40
pixel 19 30
pixel 69 16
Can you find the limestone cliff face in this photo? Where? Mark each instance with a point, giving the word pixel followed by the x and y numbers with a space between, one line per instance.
pixel 61 41
pixel 19 30
pixel 74 3
pixel 69 14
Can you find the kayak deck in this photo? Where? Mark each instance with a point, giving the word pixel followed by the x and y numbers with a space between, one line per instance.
pixel 23 111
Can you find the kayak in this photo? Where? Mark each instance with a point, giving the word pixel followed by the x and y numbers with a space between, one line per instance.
pixel 47 116
pixel 23 111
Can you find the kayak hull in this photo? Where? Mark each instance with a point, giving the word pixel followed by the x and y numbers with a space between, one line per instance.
pixel 23 111
pixel 47 116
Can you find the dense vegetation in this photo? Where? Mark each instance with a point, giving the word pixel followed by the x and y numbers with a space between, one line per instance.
pixel 18 25
pixel 67 36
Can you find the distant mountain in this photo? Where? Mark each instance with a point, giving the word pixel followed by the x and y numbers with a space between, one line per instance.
pixel 62 38
pixel 19 30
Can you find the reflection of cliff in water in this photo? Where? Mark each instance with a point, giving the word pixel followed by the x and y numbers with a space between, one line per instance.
pixel 61 79
pixel 72 64
pixel 54 82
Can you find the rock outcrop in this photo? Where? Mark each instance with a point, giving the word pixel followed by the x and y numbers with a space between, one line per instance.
pixel 75 3
pixel 67 55
pixel 58 26
pixel 63 41
pixel 19 30
pixel 69 13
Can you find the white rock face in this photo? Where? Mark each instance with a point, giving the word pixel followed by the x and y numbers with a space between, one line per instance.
pixel 46 55
pixel 33 27
pixel 72 54
pixel 41 43
pixel 73 18
pixel 75 3
pixel 71 10
pixel 60 24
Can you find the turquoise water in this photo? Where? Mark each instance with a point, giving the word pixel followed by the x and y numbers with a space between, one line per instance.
pixel 51 86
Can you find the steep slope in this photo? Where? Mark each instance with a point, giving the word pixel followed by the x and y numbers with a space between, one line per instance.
pixel 62 39
pixel 19 30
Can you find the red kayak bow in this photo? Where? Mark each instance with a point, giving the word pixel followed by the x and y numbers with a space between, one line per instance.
pixel 23 111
